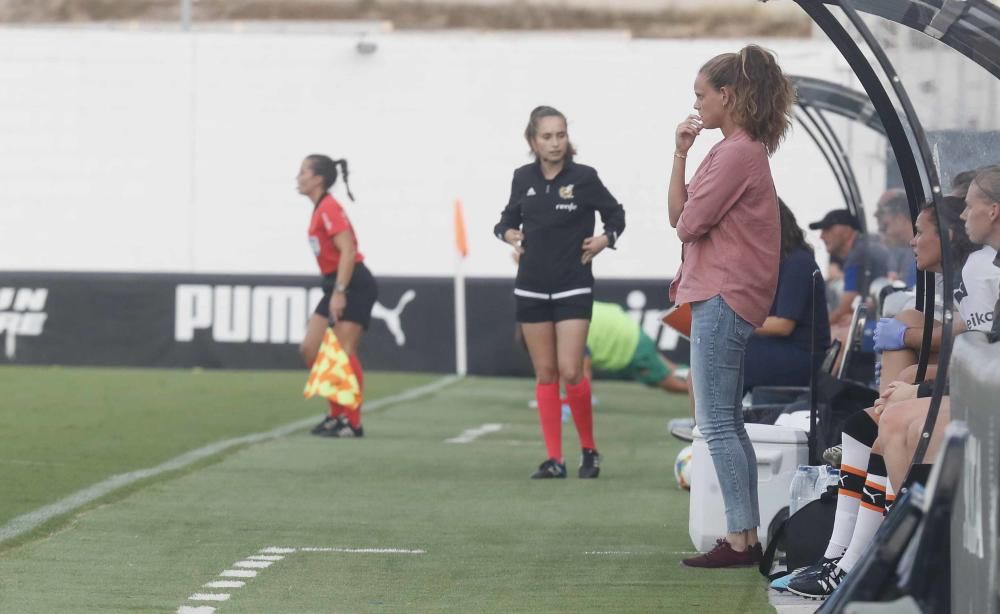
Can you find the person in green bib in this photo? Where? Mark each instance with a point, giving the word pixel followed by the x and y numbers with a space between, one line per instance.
pixel 617 345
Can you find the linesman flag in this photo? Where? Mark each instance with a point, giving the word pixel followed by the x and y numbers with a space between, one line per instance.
pixel 332 376
pixel 461 242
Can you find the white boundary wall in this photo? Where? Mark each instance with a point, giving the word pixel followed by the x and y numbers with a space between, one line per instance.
pixel 163 151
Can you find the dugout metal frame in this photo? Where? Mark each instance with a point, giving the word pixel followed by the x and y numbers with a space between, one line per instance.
pixel 970 27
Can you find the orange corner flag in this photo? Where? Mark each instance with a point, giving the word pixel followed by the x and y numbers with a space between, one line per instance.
pixel 332 376
pixel 461 242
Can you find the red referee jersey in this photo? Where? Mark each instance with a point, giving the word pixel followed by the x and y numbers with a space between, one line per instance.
pixel 329 219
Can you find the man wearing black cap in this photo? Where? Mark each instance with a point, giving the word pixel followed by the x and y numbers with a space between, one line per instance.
pixel 863 257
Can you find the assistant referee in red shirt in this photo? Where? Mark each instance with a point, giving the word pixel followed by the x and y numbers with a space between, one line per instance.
pixel 349 287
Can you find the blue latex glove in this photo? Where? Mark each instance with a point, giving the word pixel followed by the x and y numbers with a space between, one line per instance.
pixel 889 335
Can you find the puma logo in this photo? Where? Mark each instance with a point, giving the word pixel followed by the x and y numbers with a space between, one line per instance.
pixel 872 496
pixel 391 317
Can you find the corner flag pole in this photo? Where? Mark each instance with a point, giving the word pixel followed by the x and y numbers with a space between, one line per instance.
pixel 462 250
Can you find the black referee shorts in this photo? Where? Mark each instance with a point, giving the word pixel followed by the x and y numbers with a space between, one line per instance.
pixel 362 293
pixel 531 310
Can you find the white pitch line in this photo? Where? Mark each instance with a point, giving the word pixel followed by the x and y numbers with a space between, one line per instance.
pixel 265 557
pixel 253 564
pixel 225 584
pixel 364 550
pixel 469 435
pixel 264 561
pixel 209 597
pixel 28 522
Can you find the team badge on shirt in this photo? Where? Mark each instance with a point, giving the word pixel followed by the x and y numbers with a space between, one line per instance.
pixel 566 192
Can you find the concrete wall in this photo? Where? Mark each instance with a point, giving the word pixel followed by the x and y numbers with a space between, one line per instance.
pixel 140 151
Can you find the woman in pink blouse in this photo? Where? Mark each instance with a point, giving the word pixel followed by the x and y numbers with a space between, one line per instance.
pixel 727 219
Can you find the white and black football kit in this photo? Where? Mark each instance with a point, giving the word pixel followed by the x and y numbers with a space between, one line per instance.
pixel 977 294
pixel 556 216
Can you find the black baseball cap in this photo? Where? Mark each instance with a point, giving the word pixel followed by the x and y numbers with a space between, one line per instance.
pixel 837 216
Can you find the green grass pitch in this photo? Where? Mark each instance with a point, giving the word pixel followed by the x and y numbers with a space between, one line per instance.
pixel 470 532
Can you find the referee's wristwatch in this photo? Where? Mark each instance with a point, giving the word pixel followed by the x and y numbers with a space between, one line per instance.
pixel 340 288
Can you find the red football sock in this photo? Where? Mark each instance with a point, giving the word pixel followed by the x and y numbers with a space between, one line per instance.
pixel 580 403
pixel 336 410
pixel 354 417
pixel 358 371
pixel 550 417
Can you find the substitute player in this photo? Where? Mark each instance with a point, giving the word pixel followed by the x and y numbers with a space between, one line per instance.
pixel 349 288
pixel 618 346
pixel 549 219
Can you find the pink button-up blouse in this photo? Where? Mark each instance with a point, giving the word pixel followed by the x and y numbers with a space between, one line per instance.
pixel 731 231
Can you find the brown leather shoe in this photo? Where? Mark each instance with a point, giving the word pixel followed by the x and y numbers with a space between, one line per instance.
pixel 723 555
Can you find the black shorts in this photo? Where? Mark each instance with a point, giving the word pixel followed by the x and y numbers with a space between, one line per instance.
pixel 531 310
pixel 361 295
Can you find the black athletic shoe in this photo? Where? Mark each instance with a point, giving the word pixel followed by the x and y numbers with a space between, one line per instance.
pixel 549 469
pixel 326 425
pixel 590 464
pixel 819 585
pixel 342 428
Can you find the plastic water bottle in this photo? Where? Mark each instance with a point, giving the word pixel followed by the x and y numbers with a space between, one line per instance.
pixel 821 480
pixel 802 490
pixel 828 476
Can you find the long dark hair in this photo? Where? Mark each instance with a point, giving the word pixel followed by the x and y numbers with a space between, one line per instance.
pixel 763 95
pixel 531 131
pixel 792 236
pixel 961 245
pixel 326 167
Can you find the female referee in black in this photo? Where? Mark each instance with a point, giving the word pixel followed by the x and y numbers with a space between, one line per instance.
pixel 349 287
pixel 549 220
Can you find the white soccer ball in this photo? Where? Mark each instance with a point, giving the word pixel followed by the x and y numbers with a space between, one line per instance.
pixel 682 467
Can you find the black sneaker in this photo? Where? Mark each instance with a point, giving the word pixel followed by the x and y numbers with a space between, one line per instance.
pixel 549 469
pixel 326 425
pixel 781 584
pixel 342 428
pixel 818 585
pixel 590 465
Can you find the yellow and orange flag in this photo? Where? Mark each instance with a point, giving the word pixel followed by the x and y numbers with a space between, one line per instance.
pixel 332 376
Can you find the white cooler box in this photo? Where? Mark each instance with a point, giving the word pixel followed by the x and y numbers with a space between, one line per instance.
pixel 780 450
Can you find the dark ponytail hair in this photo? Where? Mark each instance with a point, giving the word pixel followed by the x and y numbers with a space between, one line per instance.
pixel 762 94
pixel 792 236
pixel 959 241
pixel 532 130
pixel 326 168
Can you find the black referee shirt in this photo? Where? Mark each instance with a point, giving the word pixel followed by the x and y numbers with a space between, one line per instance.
pixel 555 217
